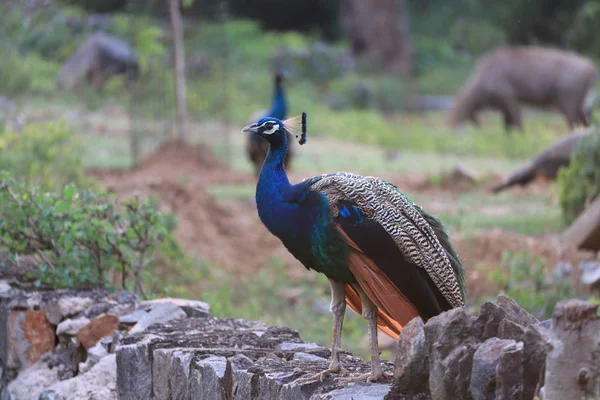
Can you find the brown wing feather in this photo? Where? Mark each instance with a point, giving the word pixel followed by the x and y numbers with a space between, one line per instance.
pixel 394 309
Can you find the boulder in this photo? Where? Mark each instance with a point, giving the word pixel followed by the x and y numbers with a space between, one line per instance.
pixel 30 335
pixel 71 326
pixel 97 329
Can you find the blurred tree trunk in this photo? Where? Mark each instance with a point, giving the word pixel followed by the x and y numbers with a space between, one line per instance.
pixel 379 30
pixel 179 65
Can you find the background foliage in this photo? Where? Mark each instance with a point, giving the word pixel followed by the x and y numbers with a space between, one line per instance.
pixel 579 184
pixel 80 238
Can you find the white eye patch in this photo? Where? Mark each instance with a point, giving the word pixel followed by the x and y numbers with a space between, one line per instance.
pixel 274 129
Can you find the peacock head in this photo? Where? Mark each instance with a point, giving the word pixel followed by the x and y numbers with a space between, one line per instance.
pixel 274 130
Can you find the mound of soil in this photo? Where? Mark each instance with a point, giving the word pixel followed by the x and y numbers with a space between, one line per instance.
pixel 175 161
pixel 228 233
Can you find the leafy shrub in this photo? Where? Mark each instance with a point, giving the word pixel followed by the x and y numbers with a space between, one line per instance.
pixel 81 239
pixel 529 285
pixel 20 74
pixel 583 33
pixel 432 52
pixel 476 37
pixel 579 183
pixel 47 154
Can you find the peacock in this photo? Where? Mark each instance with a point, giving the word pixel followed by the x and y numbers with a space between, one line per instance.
pixel 256 148
pixel 385 257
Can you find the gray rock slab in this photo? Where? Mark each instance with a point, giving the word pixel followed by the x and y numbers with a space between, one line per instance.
pixel 71 326
pixel 308 357
pixel 134 369
pixel 363 391
pixel 483 373
pixel 206 378
pixel 411 371
pixel 50 395
pixel 159 313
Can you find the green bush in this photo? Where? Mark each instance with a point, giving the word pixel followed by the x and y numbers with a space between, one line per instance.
pixel 46 154
pixel 579 183
pixel 80 239
pixel 583 33
pixel 529 284
pixel 476 37
pixel 25 74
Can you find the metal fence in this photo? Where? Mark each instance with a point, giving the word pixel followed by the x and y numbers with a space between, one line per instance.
pixel 49 55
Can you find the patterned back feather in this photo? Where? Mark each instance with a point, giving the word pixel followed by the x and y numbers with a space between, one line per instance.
pixel 416 233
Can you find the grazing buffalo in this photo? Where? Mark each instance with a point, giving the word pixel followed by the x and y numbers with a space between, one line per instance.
pixel 99 57
pixel 542 77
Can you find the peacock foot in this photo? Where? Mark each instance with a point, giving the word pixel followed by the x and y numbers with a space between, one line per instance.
pixel 334 368
pixel 373 376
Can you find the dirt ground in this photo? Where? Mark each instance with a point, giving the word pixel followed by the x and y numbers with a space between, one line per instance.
pixel 229 233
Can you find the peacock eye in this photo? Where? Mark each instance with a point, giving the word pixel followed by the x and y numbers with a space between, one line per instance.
pixel 269 126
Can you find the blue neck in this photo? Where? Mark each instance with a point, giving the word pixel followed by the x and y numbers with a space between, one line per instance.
pixel 273 180
pixel 279 106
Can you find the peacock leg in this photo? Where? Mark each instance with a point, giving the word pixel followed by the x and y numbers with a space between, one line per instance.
pixel 338 308
pixel 369 312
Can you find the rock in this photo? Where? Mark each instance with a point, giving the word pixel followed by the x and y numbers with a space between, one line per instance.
pixel 510 330
pixel 53 313
pixel 192 308
pixel 158 313
pixel 134 317
pixel 590 273
pixel 451 341
pixel 4 394
pixel 572 369
pixel 98 383
pixel 491 315
pixel 134 377
pixel 32 381
pixel 309 357
pixel 361 391
pixel 97 329
pixel 483 373
pixel 411 372
pixel 71 326
pixel 62 307
pixel 123 297
pixel 206 378
pixel 171 374
pixel 74 305
pixel 4 286
pixel 30 336
pixel 287 346
pixel 50 395
pixel 547 324
pixel 535 348
pixel 509 373
pixel 95 354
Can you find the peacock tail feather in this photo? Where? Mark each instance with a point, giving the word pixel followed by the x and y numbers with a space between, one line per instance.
pixel 420 237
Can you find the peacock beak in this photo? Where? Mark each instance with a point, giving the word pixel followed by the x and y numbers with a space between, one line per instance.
pixel 250 128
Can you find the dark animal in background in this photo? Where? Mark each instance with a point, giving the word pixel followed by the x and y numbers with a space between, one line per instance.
pixel 532 75
pixel 100 57
pixel 256 147
pixel 385 257
pixel 546 164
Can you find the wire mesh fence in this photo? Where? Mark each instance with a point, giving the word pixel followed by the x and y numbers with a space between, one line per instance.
pixel 112 76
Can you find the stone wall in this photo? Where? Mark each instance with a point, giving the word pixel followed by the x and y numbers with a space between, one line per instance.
pixel 65 345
